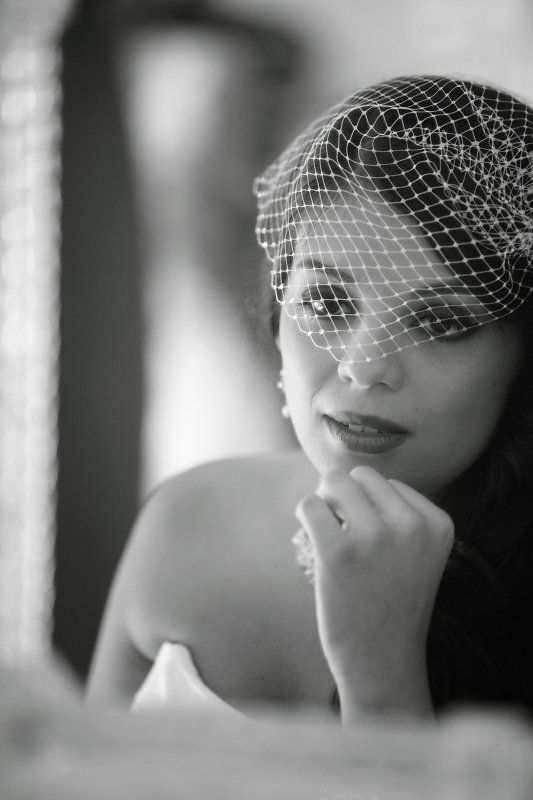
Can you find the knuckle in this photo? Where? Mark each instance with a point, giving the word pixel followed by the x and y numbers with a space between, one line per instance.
pixel 448 533
pixel 443 524
pixel 306 505
pixel 444 519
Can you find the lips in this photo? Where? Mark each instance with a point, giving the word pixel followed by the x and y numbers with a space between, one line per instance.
pixel 358 438
pixel 363 434
pixel 365 424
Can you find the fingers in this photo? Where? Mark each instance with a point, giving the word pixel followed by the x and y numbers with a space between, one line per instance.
pixel 371 507
pixel 349 501
pixel 339 499
pixel 393 507
pixel 410 495
pixel 318 520
pixel 401 506
pixel 439 519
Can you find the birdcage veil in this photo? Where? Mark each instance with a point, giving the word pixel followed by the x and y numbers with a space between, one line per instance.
pixel 419 171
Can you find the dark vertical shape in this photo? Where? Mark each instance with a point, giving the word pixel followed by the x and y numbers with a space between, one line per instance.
pixel 100 383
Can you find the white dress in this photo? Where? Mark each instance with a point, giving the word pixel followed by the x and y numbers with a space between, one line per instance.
pixel 173 683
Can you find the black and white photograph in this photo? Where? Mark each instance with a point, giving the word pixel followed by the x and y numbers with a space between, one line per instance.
pixel 266 399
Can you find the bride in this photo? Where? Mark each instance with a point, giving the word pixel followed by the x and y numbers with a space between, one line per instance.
pixel 399 232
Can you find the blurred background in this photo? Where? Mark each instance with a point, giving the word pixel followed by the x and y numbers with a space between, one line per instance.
pixel 169 111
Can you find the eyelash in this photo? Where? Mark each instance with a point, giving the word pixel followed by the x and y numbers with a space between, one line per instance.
pixel 440 314
pixel 329 297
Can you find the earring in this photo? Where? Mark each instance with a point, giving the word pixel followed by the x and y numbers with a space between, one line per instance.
pixel 284 408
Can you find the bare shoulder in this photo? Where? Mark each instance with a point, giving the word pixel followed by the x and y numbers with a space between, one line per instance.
pixel 214 526
pixel 199 495
pixel 214 500
pixel 203 531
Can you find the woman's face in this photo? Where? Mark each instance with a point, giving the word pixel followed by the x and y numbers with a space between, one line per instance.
pixel 422 414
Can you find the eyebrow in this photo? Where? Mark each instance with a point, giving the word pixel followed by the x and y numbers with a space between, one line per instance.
pixel 427 289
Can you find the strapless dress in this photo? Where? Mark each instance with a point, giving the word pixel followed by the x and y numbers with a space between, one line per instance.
pixel 174 684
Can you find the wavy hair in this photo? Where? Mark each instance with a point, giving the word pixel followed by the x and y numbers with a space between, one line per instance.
pixel 480 644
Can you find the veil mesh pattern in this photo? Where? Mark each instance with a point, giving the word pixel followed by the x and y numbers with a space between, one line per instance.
pixel 405 187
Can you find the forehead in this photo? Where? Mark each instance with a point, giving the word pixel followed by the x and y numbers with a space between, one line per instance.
pixel 368 239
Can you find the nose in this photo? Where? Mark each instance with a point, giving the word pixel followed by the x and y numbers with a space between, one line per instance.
pixel 367 363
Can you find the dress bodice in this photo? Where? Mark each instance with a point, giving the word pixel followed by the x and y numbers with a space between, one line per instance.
pixel 174 683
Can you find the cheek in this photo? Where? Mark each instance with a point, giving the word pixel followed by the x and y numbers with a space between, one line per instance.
pixel 305 366
pixel 474 411
pixel 471 400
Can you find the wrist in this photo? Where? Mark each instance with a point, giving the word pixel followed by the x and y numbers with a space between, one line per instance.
pixel 390 692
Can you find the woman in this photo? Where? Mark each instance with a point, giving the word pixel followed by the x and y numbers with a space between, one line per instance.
pixel 400 233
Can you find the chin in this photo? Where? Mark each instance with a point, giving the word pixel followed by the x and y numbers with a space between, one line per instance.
pixel 385 463
pixel 326 462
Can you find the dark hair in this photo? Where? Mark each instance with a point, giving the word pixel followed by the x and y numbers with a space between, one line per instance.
pixel 418 143
pixel 480 642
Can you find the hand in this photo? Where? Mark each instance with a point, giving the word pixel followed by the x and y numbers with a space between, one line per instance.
pixel 380 550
